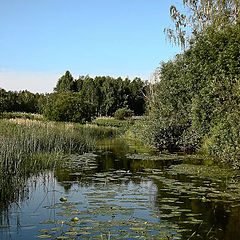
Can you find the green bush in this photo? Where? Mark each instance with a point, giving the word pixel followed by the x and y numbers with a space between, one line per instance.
pixel 123 113
pixel 223 139
pixel 68 107
pixel 196 105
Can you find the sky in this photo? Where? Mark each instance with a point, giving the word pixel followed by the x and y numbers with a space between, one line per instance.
pixel 40 40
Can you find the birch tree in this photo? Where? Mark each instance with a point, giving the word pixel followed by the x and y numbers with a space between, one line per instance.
pixel 199 14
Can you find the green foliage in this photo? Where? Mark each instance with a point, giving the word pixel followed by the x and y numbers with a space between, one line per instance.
pixel 141 132
pixel 223 138
pixel 2 100
pixel 121 126
pixel 136 100
pixel 65 83
pixel 27 101
pixel 108 122
pixel 123 113
pixel 22 115
pixel 195 106
pixel 200 15
pixel 106 93
pixel 23 101
pixel 68 107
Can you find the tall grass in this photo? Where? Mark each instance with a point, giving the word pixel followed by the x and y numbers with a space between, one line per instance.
pixel 122 126
pixel 24 115
pixel 26 144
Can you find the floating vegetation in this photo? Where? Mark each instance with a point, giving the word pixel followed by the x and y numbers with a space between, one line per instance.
pixel 63 199
pixel 217 183
pixel 201 171
pixel 146 156
pixel 75 219
pixel 92 198
pixel 83 162
pixel 106 212
pixel 45 236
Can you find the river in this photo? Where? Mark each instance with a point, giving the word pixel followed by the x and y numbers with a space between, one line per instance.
pixel 123 191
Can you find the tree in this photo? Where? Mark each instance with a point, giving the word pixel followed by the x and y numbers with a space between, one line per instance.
pixel 136 97
pixel 106 93
pixel 201 13
pixel 27 102
pixel 3 104
pixel 65 83
pixel 89 90
pixel 123 113
pixel 111 96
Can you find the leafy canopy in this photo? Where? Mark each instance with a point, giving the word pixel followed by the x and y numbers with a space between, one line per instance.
pixel 198 16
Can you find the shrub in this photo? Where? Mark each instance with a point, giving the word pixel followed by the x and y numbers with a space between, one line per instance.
pixel 123 113
pixel 66 107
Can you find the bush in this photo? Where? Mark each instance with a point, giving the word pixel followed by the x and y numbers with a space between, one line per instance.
pixel 123 113
pixel 66 107
pixel 223 139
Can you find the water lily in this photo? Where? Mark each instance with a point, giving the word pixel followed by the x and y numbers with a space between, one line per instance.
pixel 63 199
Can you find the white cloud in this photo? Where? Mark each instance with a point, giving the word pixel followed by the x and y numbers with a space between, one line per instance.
pixel 41 82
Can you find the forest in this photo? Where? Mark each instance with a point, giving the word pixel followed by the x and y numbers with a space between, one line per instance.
pixel 79 100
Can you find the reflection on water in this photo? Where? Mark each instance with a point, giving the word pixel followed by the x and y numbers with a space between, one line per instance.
pixel 116 193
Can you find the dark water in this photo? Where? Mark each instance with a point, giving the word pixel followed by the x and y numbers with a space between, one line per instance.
pixel 121 191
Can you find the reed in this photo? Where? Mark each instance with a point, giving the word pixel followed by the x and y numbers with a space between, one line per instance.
pixel 29 144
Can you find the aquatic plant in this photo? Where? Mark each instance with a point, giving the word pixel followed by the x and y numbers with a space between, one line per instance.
pixel 31 143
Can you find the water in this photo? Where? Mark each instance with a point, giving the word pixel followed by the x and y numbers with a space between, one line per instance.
pixel 123 191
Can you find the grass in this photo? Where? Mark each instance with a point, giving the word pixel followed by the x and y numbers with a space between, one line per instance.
pixel 23 115
pixel 35 142
pixel 28 141
pixel 121 125
pixel 109 122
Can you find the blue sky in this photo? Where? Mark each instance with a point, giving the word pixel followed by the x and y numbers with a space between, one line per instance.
pixel 40 40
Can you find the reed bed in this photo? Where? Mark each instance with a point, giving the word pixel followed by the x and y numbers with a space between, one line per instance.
pixel 26 144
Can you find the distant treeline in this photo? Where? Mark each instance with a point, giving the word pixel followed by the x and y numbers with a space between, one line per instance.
pixel 22 101
pixel 107 93
pixel 99 96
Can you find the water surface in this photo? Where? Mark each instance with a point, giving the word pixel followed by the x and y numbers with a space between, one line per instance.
pixel 123 191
